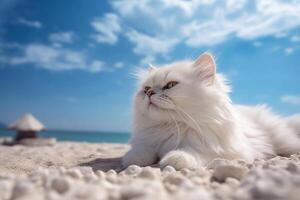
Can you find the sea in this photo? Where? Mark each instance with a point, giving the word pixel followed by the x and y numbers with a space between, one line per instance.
pixel 79 136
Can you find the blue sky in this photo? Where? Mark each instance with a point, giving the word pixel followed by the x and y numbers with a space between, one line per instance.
pixel 69 62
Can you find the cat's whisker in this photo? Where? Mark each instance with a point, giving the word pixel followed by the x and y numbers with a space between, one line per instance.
pixel 178 131
pixel 190 117
pixel 180 111
pixel 168 101
pixel 205 118
pixel 186 119
pixel 180 96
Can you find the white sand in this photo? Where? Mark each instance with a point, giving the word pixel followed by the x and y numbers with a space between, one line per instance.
pixel 21 159
pixel 92 171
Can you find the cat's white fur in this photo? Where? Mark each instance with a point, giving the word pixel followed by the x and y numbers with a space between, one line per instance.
pixel 195 121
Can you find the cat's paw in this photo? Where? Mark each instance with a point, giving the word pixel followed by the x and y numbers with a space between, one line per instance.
pixel 130 158
pixel 140 158
pixel 179 160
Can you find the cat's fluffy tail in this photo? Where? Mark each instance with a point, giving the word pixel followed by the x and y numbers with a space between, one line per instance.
pixel 284 133
pixel 294 123
pixel 288 140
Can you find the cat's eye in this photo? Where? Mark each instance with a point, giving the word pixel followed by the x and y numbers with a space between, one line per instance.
pixel 170 85
pixel 147 88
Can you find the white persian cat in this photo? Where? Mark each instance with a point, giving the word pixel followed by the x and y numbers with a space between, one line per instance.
pixel 183 117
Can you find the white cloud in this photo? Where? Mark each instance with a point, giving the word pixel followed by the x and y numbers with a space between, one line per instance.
pixel 291 99
pixel 295 38
pixel 188 7
pixel 276 48
pixel 97 66
pixel 128 8
pixel 206 33
pixel 147 60
pixel 54 58
pixel 235 5
pixel 33 24
pixel 62 37
pixel 270 17
pixel 150 46
pixel 289 50
pixel 107 27
pixel 204 22
pixel 257 44
pixel 280 35
pixel 119 65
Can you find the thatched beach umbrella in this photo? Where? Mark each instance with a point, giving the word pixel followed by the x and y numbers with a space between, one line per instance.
pixel 27 127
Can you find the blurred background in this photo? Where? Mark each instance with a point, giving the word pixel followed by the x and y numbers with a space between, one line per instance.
pixel 69 62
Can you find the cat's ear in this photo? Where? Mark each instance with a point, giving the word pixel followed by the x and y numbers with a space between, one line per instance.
pixel 205 67
pixel 151 68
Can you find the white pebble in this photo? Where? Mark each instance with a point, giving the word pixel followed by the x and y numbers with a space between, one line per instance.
pixel 232 182
pixel 148 173
pixel 91 177
pixel 82 191
pixel 75 173
pixel 292 168
pixel 21 189
pixel 216 163
pixel 169 169
pixel 215 185
pixel 187 184
pixel 223 171
pixel 223 192
pixel 85 170
pixel 174 179
pixel 53 195
pixel 122 174
pixel 110 172
pixel 185 171
pixel 111 176
pixel 199 181
pixel 43 171
pixel 60 184
pixel 62 169
pixel 195 194
pixel 100 174
pixel 295 157
pixel 5 189
pixel 133 170
pixel 265 190
pixel 296 180
pixel 143 189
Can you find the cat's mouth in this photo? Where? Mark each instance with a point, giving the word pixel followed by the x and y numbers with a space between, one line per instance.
pixel 151 103
pixel 157 105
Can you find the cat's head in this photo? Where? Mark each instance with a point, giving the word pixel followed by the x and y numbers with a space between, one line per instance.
pixel 180 87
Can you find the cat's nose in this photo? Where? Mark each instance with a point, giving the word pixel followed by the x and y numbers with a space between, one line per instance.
pixel 150 93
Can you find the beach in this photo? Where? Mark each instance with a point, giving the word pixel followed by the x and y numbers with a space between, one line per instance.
pixel 74 170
